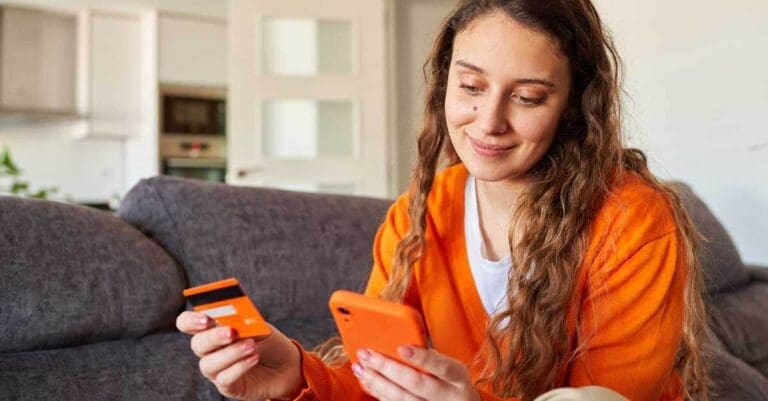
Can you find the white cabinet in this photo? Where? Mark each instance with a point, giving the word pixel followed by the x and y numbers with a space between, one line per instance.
pixel 114 74
pixel 192 50
pixel 37 61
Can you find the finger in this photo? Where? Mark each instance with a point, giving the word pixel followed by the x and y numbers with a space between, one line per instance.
pixel 189 322
pixel 205 342
pixel 212 364
pixel 416 382
pixel 379 386
pixel 443 367
pixel 228 379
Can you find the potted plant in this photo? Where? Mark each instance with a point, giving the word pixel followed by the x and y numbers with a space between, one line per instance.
pixel 11 182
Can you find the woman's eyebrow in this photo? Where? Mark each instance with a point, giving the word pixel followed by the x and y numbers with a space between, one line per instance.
pixel 517 81
pixel 470 66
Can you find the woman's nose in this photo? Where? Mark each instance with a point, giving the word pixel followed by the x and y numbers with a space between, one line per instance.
pixel 492 118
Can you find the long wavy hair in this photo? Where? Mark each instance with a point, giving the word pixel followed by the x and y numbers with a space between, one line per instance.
pixel 568 185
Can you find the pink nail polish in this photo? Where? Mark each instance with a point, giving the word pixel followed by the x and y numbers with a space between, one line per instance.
pixel 363 354
pixel 357 369
pixel 248 346
pixel 406 352
pixel 252 360
pixel 226 333
pixel 202 321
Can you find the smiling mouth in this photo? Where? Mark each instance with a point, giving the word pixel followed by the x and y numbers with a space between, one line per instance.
pixel 489 147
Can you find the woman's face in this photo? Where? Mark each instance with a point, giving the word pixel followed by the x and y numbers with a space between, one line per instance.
pixel 507 89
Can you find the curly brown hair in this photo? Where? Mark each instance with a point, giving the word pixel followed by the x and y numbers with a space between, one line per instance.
pixel 568 184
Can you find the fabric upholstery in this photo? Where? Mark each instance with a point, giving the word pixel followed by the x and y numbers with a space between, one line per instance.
pixel 735 380
pixel 718 256
pixel 740 320
pixel 159 367
pixel 72 275
pixel 289 250
pixel 310 332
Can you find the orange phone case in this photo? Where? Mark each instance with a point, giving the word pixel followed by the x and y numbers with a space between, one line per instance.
pixel 226 303
pixel 382 326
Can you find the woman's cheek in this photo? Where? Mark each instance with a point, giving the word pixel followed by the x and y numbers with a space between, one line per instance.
pixel 458 111
pixel 531 128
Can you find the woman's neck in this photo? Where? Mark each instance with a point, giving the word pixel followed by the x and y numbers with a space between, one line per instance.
pixel 499 197
pixel 496 202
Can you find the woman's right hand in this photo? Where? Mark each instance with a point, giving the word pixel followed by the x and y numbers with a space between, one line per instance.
pixel 248 368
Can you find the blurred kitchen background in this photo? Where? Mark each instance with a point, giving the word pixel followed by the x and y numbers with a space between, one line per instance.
pixel 326 96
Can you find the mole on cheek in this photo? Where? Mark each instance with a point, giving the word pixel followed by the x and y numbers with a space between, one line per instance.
pixel 474 108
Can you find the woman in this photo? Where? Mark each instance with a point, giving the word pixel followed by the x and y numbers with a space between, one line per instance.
pixel 545 256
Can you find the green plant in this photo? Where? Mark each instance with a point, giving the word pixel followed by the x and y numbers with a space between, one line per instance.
pixel 19 187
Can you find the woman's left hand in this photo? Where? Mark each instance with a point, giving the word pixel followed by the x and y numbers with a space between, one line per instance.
pixel 389 380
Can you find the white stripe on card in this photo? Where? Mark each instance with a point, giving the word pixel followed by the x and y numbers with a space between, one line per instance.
pixel 221 311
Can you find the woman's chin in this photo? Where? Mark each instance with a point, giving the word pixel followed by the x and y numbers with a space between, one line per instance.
pixel 493 172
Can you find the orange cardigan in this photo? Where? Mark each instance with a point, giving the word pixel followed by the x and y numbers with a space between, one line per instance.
pixel 629 293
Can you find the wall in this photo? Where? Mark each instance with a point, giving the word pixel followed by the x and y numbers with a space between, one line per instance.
pixel 85 170
pixel 698 93
pixel 415 26
pixel 697 90
pixel 92 169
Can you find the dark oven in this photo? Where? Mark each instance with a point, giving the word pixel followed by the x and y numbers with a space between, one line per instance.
pixel 193 132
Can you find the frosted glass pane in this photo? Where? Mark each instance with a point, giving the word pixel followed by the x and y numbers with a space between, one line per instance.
pixel 335 128
pixel 289 46
pixel 306 128
pixel 334 44
pixel 305 46
pixel 290 129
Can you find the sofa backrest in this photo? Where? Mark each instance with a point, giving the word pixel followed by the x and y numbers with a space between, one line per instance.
pixel 289 250
pixel 71 275
pixel 718 257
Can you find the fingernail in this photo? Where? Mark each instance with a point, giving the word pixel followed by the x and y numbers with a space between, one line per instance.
pixel 363 354
pixel 226 333
pixel 249 346
pixel 252 360
pixel 357 369
pixel 406 352
pixel 202 322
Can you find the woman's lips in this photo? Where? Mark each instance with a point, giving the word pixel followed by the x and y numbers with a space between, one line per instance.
pixel 484 149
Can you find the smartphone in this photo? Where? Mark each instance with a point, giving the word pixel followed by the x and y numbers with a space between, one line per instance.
pixel 226 303
pixel 372 323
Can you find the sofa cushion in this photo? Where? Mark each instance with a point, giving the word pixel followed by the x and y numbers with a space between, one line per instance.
pixel 71 275
pixel 740 320
pixel 734 380
pixel 289 250
pixel 310 332
pixel 717 256
pixel 156 367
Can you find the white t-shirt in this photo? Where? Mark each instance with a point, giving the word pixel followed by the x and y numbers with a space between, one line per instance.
pixel 490 276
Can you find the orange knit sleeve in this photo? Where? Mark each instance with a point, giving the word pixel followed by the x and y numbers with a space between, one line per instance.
pixel 390 233
pixel 631 319
pixel 324 383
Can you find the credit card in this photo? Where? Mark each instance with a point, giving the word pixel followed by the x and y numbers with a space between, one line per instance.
pixel 226 303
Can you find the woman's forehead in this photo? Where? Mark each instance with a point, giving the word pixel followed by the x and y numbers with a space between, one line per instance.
pixel 505 48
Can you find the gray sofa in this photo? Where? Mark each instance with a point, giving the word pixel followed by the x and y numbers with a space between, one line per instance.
pixel 88 300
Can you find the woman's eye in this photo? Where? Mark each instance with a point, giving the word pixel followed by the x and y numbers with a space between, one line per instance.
pixel 472 90
pixel 528 101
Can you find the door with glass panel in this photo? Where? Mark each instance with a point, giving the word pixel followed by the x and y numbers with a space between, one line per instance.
pixel 307 94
